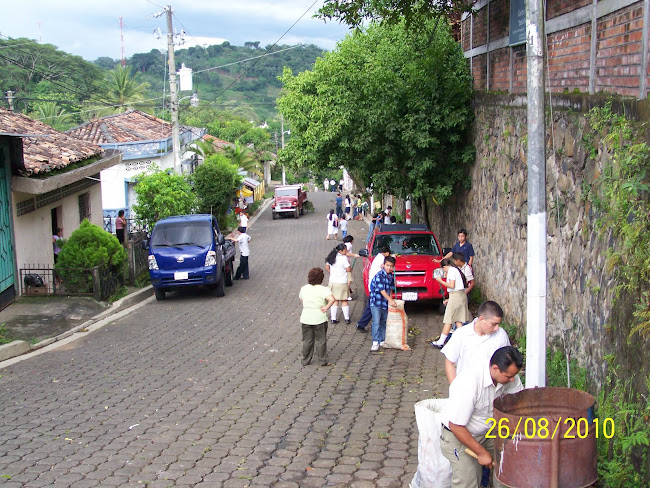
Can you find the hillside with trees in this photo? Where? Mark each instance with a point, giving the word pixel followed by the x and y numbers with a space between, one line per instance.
pixel 65 90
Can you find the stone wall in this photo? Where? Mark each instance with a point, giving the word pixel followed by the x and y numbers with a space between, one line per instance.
pixel 494 211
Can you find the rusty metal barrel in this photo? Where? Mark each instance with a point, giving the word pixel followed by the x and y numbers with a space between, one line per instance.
pixel 547 439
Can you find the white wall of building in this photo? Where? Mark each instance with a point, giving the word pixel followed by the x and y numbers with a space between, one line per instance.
pixel 33 230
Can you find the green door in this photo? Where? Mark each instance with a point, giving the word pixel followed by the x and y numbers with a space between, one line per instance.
pixel 7 268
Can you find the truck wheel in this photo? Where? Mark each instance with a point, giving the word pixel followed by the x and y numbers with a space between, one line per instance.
pixel 275 216
pixel 160 294
pixel 228 275
pixel 219 289
pixel 296 214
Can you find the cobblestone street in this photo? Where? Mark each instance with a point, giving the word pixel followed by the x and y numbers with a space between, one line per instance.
pixel 204 391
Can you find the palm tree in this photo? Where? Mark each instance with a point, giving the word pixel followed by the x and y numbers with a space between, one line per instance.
pixel 54 115
pixel 121 89
pixel 243 157
pixel 202 148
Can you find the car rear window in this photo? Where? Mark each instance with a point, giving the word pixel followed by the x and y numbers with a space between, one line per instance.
pixel 407 244
pixel 176 234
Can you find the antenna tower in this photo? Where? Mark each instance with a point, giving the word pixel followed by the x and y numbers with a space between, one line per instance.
pixel 122 39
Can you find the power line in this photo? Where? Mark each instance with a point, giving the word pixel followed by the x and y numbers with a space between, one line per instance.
pixel 248 59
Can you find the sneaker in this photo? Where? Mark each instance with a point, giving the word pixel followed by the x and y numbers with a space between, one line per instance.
pixel 334 321
pixel 382 344
pixel 374 347
pixel 361 329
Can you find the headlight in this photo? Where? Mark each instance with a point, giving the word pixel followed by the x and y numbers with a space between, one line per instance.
pixel 438 273
pixel 152 262
pixel 211 259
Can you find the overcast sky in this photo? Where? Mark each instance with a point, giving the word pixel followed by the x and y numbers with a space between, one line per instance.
pixel 91 28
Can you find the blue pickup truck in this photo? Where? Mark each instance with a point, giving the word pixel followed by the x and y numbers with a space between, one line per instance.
pixel 189 250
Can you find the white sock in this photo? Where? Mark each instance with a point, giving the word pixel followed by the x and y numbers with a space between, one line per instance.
pixel 441 341
pixel 334 309
pixel 346 312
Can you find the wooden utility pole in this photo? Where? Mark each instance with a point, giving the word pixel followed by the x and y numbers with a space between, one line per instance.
pixel 536 241
pixel 173 92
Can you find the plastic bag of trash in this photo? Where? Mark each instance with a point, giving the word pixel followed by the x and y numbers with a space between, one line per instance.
pixel 34 280
pixel 397 327
pixel 434 470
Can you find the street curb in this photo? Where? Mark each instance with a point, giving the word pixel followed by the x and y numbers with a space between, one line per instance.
pixel 20 348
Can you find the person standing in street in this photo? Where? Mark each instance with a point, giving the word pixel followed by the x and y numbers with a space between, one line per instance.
pixel 470 405
pixel 332 185
pixel 466 269
pixel 243 220
pixel 316 300
pixel 381 287
pixel 244 252
pixel 332 225
pixel 339 205
pixel 475 341
pixel 343 225
pixel 456 310
pixel 375 267
pixel 326 184
pixel 463 246
pixel 338 266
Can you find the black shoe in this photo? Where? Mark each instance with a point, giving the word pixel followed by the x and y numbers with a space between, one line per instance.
pixel 334 321
pixel 437 346
pixel 236 277
pixel 347 321
pixel 361 329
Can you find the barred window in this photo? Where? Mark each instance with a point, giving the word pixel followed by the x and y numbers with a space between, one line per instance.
pixel 84 206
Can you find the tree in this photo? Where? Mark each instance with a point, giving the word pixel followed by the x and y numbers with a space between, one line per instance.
pixel 215 183
pixel 243 157
pixel 53 115
pixel 355 12
pixel 159 195
pixel 202 148
pixel 390 104
pixel 122 89
pixel 87 247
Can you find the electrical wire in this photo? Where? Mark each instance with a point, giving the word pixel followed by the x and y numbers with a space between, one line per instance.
pixel 248 59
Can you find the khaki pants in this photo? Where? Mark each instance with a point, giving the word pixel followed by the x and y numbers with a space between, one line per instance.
pixel 466 471
pixel 314 339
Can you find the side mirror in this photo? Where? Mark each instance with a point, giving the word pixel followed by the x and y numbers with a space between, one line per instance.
pixel 221 240
pixel 363 253
pixel 145 244
pixel 446 250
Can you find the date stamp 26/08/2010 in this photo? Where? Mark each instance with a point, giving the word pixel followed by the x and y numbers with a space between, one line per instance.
pixel 539 428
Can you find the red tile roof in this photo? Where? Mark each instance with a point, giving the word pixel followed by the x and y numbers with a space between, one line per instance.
pixel 42 154
pixel 129 126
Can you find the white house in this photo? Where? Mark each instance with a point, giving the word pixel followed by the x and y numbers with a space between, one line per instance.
pixel 48 179
pixel 144 140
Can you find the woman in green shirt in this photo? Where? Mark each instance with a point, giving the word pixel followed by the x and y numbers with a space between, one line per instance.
pixel 316 300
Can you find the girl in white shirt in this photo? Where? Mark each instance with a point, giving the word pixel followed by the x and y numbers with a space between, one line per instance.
pixel 338 266
pixel 456 310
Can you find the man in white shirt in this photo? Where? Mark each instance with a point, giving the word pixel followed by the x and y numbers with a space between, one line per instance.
pixel 387 214
pixel 470 405
pixel 244 251
pixel 375 266
pixel 476 341
pixel 243 220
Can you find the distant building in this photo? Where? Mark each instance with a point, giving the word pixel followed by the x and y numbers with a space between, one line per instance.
pixel 144 140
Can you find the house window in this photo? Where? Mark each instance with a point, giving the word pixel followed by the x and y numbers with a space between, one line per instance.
pixel 84 206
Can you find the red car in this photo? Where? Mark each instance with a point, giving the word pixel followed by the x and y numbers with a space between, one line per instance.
pixel 415 248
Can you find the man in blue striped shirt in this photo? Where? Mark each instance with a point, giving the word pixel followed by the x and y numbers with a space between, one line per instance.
pixel 380 288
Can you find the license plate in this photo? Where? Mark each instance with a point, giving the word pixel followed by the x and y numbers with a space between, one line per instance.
pixel 182 275
pixel 410 296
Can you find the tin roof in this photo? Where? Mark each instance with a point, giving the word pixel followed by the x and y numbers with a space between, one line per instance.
pixel 129 126
pixel 49 149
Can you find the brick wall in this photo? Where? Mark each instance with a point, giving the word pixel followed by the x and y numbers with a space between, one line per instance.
pixel 500 70
pixel 499 19
pixel 618 50
pixel 480 28
pixel 555 8
pixel 618 58
pixel 568 59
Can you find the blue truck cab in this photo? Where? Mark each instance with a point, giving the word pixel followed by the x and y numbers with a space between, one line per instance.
pixel 189 250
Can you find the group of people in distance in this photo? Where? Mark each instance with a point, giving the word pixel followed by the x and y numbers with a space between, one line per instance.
pixel 480 363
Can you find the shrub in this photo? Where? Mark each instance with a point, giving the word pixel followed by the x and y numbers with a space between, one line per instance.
pixel 215 184
pixel 88 246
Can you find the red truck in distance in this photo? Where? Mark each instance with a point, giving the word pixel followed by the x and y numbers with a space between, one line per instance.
pixel 288 200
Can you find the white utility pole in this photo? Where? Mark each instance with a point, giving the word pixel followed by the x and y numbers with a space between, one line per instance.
pixel 536 242
pixel 284 173
pixel 173 92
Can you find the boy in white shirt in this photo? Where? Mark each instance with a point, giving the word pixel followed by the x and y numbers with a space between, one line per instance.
pixel 244 251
